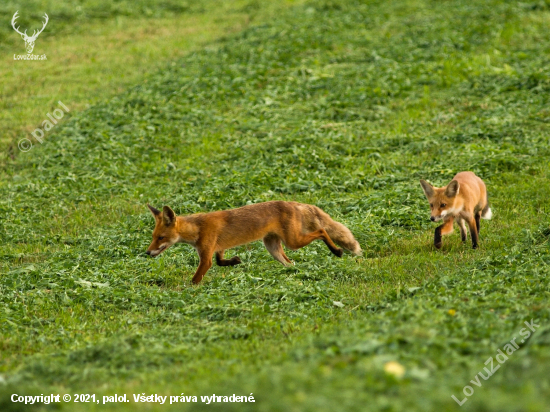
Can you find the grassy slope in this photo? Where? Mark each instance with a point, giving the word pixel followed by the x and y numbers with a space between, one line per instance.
pixel 342 105
pixel 96 49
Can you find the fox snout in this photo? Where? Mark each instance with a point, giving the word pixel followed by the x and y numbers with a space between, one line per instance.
pixel 436 218
pixel 157 251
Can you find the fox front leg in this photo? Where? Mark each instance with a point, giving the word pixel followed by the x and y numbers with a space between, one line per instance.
pixel 235 260
pixel 444 229
pixel 205 263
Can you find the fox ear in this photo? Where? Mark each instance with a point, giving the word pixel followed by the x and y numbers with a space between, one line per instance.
pixel 452 189
pixel 154 211
pixel 168 216
pixel 428 188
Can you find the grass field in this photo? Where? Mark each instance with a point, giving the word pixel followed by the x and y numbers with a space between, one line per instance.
pixel 97 49
pixel 343 104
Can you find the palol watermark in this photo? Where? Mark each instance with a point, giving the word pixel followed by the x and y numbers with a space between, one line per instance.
pixel 25 144
pixel 29 40
pixel 500 357
pixel 136 398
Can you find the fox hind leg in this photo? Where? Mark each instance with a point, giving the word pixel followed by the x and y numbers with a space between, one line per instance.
pixel 478 221
pixel 299 240
pixel 462 227
pixel 273 245
pixel 473 232
pixel 235 260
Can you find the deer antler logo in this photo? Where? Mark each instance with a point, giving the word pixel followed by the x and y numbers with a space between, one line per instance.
pixel 29 40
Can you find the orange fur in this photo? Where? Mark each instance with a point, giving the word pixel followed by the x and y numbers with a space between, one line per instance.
pixel 463 199
pixel 294 224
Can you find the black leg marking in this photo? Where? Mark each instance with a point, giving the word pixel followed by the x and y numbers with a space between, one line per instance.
pixel 478 217
pixel 235 260
pixel 338 252
pixel 473 233
pixel 437 237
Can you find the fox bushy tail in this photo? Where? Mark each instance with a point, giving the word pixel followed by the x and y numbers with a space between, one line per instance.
pixel 340 234
pixel 487 213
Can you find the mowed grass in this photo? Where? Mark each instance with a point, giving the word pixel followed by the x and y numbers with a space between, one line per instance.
pixel 96 49
pixel 342 104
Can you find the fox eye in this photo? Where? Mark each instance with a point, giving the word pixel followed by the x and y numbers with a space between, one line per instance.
pixel 431 205
pixel 161 237
pixel 443 204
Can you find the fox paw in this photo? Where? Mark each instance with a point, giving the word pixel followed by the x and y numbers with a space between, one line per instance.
pixel 338 252
pixel 438 245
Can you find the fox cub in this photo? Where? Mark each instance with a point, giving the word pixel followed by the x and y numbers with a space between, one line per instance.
pixel 294 224
pixel 463 199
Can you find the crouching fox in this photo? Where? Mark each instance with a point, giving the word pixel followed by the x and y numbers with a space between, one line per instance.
pixel 294 224
pixel 463 199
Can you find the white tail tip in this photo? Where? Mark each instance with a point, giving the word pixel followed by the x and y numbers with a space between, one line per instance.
pixel 488 215
pixel 357 251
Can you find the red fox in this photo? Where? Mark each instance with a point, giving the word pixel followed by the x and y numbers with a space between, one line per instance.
pixel 294 224
pixel 465 199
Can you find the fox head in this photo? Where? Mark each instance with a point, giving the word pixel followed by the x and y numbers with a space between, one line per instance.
pixel 164 234
pixel 441 199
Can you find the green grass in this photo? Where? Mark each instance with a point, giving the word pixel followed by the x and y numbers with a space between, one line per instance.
pixel 97 49
pixel 342 104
